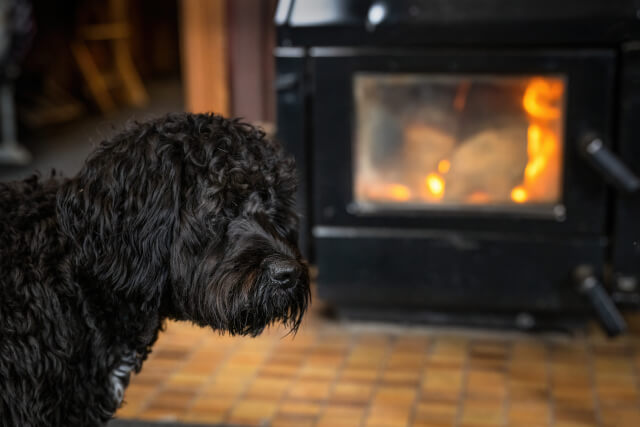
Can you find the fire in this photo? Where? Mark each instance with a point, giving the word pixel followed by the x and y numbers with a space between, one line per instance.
pixel 399 192
pixel 519 195
pixel 537 157
pixel 383 191
pixel 478 198
pixel 487 166
pixel 435 184
pixel 540 101
pixel 540 96
pixel 444 166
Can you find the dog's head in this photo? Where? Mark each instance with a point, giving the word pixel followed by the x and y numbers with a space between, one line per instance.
pixel 191 215
pixel 251 277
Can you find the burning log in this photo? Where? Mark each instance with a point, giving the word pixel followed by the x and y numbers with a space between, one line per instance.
pixel 490 162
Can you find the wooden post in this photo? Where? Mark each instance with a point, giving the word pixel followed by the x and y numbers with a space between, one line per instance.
pixel 251 42
pixel 205 62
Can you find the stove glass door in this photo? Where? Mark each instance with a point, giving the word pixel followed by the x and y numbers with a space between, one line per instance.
pixel 470 142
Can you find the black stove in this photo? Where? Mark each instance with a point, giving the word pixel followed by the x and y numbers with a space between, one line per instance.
pixel 466 161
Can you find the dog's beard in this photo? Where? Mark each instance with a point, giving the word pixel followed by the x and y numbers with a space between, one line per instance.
pixel 266 305
pixel 246 302
pixel 244 283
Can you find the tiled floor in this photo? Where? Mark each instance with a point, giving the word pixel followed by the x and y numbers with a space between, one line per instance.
pixel 333 374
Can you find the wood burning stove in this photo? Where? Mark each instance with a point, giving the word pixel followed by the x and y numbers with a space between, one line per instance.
pixel 464 160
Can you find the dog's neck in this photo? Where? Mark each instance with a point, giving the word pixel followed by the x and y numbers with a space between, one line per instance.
pixel 124 323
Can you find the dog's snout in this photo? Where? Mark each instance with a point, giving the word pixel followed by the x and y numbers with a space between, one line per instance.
pixel 284 273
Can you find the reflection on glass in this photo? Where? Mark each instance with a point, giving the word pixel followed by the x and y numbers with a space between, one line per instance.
pixel 431 140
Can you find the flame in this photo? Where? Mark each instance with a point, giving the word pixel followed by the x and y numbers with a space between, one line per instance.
pixel 435 185
pixel 399 192
pixel 444 166
pixel 519 195
pixel 540 96
pixel 541 173
pixel 537 157
pixel 478 198
pixel 460 100
pixel 534 138
pixel 542 101
pixel 383 191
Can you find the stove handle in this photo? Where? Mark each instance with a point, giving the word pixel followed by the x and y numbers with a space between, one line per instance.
pixel 610 166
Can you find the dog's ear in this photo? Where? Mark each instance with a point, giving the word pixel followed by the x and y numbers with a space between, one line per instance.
pixel 120 213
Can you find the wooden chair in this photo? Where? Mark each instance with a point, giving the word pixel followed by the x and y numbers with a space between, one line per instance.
pixel 123 73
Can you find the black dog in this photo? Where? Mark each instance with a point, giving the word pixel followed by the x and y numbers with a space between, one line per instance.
pixel 186 217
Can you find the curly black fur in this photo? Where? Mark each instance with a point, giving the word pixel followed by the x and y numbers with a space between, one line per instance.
pixel 186 217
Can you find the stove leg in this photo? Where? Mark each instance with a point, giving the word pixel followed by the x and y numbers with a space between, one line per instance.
pixel 608 314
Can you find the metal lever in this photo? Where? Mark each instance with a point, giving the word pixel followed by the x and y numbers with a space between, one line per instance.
pixel 607 312
pixel 608 164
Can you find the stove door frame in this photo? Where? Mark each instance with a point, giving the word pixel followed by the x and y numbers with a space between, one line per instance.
pixel 590 80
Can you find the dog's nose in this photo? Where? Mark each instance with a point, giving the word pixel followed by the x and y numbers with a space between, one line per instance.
pixel 284 273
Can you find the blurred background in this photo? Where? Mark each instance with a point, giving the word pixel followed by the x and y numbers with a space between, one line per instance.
pixel 468 195
pixel 79 69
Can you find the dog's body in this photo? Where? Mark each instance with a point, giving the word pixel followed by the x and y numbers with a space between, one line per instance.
pixel 187 217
